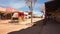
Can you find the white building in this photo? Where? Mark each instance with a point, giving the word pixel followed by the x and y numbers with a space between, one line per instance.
pixel 27 15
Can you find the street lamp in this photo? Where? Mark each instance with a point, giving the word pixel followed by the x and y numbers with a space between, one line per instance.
pixel 30 4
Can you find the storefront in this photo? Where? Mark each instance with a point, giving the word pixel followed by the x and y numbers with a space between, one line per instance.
pixel 21 15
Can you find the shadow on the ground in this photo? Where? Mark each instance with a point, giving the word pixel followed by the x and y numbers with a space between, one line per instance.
pixel 35 29
pixel 48 28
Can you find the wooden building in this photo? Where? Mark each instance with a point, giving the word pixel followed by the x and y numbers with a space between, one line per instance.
pixel 53 10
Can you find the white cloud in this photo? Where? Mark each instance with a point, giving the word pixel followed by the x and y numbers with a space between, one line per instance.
pixel 37 5
pixel 3 5
pixel 17 5
pixel 42 6
pixel 14 4
pixel 38 13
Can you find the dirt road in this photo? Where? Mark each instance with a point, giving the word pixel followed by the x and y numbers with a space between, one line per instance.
pixel 6 27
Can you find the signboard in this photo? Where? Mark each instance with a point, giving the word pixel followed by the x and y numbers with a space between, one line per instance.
pixel 30 3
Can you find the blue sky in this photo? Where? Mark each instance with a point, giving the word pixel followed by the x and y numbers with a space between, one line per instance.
pixel 21 5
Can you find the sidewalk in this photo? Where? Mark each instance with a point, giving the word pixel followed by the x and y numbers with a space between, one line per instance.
pixel 28 21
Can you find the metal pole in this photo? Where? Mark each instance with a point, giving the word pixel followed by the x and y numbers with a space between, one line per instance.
pixel 31 9
pixel 31 17
pixel 11 16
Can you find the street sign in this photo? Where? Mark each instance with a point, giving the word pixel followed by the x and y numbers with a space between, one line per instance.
pixel 33 2
pixel 30 3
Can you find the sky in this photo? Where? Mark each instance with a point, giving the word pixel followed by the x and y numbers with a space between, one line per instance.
pixel 21 5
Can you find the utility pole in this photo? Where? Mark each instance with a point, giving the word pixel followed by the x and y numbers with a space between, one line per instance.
pixel 31 9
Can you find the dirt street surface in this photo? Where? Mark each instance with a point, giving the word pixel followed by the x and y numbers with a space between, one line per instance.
pixel 6 27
